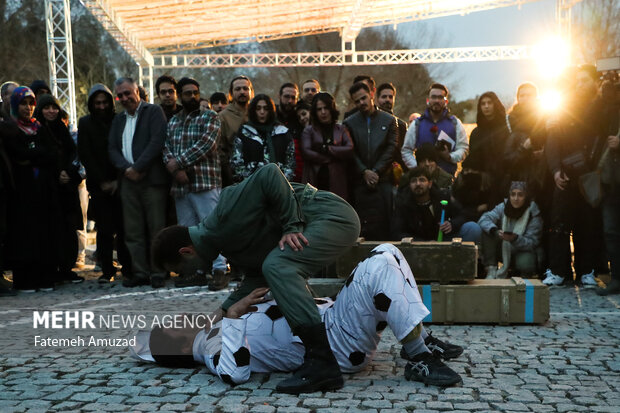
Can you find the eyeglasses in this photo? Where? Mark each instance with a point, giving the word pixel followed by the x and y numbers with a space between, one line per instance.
pixel 191 93
pixel 438 97
pixel 167 91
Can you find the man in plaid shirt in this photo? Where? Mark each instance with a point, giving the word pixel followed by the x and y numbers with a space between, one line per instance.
pixel 190 155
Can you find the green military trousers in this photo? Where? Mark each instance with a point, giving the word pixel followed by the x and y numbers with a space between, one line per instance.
pixel 332 226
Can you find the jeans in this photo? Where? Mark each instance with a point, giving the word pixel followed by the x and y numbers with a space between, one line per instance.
pixel 611 229
pixel 469 232
pixel 192 208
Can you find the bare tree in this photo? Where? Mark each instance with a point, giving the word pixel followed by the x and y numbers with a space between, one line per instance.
pixel 596 30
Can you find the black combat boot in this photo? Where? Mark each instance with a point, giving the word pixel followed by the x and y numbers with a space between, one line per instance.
pixel 320 371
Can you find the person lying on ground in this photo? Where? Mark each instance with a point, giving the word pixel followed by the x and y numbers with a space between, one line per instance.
pixel 254 337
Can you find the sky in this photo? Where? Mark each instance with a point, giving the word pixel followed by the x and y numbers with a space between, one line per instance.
pixel 498 27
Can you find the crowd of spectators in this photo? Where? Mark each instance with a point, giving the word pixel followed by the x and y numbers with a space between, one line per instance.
pixel 524 181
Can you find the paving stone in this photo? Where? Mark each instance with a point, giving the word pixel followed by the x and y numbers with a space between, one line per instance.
pixel 439 405
pixel 87 397
pixel 315 403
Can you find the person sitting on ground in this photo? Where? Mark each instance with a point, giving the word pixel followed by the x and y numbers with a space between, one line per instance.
pixel 511 234
pixel 254 337
pixel 262 140
pixel 278 233
pixel 419 212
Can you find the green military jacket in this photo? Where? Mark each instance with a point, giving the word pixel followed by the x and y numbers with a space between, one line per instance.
pixel 251 217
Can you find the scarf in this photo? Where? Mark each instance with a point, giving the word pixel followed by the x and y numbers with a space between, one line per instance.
pixel 518 227
pixel 28 126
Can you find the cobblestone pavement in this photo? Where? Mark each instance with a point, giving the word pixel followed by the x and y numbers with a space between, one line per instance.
pixel 570 364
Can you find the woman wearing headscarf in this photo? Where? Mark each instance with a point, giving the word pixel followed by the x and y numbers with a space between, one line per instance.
pixel 511 234
pixel 486 148
pixel 32 208
pixel 53 130
pixel 326 147
pixel 262 140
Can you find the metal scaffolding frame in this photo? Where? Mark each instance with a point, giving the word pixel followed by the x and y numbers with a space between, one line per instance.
pixel 349 58
pixel 60 49
pixel 60 54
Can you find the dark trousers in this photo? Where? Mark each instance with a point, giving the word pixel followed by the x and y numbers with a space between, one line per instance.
pixel 611 229
pixel 374 207
pixel 571 213
pixel 67 242
pixel 109 218
pixel 144 215
pixel 523 261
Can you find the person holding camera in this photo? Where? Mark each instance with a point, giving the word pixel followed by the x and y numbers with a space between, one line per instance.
pixel 511 234
pixel 571 152
pixel 439 127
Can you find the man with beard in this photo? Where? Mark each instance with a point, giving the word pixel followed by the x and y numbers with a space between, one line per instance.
pixel 102 184
pixel 523 157
pixel 166 88
pixel 136 142
pixel 368 81
pixel 308 89
pixel 419 207
pixel 374 136
pixel 285 110
pixel 191 157
pixel 439 127
pixel 231 118
pixel 570 153
pixel 287 115
pixel 386 96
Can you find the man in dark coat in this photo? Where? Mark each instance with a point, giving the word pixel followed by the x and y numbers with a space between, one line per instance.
pixel 374 138
pixel 136 142
pixel 102 183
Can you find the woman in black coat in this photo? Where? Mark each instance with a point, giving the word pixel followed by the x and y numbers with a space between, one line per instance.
pixel 33 209
pixel 55 132
pixel 484 167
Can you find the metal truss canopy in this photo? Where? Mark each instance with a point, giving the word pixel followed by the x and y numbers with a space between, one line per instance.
pixel 146 27
pixel 60 54
pixel 359 58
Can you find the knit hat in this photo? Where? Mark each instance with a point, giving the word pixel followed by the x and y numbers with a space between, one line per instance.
pixel 19 94
pixel 522 185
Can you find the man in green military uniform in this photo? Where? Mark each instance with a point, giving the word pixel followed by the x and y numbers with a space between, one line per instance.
pixel 280 233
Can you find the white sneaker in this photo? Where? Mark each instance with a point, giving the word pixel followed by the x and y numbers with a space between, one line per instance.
pixel 551 279
pixel 588 280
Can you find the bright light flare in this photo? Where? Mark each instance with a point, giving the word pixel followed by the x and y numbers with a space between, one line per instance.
pixel 552 56
pixel 551 100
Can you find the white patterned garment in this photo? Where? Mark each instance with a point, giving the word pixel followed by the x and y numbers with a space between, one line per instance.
pixel 380 292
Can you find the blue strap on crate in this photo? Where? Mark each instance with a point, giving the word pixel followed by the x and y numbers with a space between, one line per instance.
pixel 529 301
pixel 428 302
